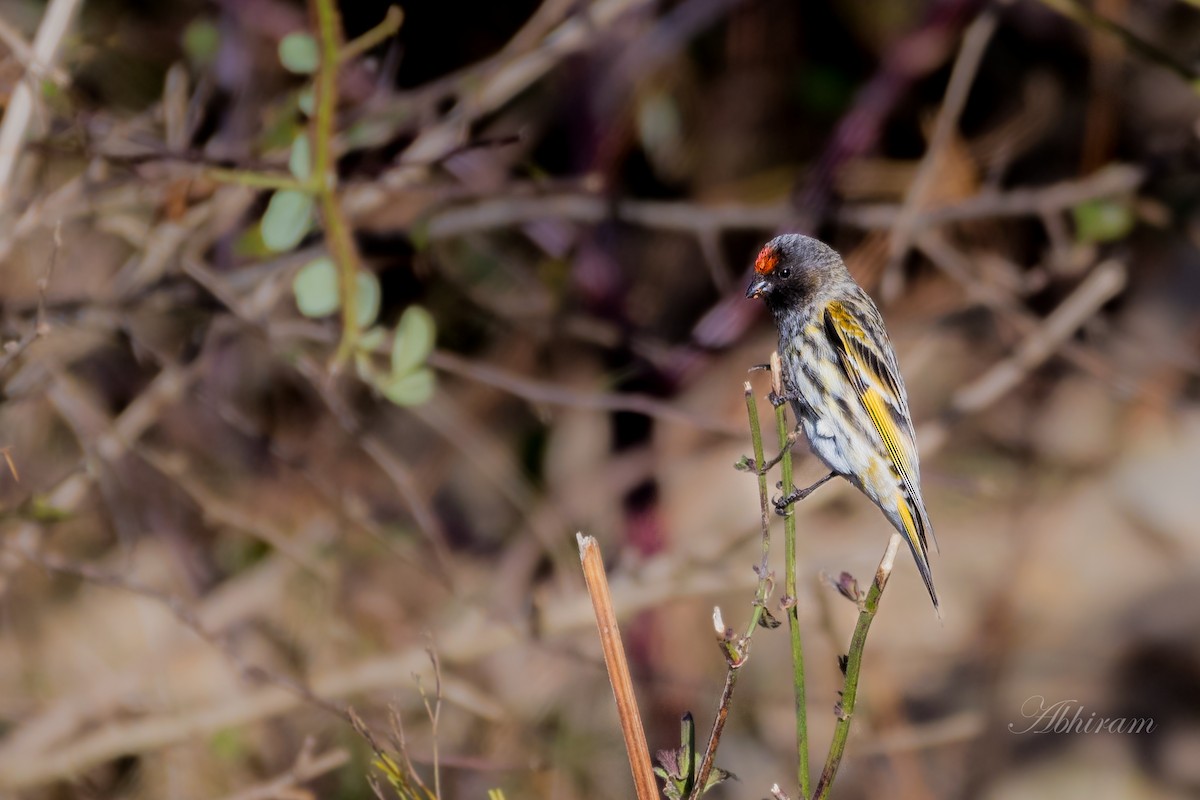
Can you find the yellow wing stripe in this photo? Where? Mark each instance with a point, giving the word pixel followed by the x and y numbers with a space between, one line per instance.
pixel 877 410
pixel 875 405
pixel 843 324
pixel 910 526
pixel 844 319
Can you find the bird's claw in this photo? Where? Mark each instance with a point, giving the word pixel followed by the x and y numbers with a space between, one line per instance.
pixel 779 399
pixel 782 504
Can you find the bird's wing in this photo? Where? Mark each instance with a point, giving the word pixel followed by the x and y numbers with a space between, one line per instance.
pixel 855 332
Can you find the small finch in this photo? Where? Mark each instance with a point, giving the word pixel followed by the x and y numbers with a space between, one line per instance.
pixel 840 374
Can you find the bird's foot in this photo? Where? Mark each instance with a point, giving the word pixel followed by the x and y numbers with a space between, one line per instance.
pixel 779 399
pixel 796 495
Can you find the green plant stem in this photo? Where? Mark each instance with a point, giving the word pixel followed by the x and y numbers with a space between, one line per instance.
pixel 377 35
pixel 858 642
pixel 337 231
pixel 793 612
pixel 764 508
pixel 259 180
pixel 760 603
pixel 323 185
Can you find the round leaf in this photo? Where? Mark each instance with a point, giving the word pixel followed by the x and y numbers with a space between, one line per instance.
pixel 316 288
pixel 288 217
pixel 300 159
pixel 414 340
pixel 298 53
pixel 305 100
pixel 366 307
pixel 411 389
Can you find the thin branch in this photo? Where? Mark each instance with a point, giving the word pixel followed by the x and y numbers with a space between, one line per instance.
pixel 385 30
pixel 791 594
pixel 723 706
pixel 1104 283
pixel 958 266
pixel 338 235
pixel 861 126
pixel 41 326
pixel 697 219
pixel 1077 11
pixel 618 669
pixel 472 637
pixel 505 78
pixel 434 712
pixel 737 650
pixel 218 511
pixel 845 708
pixel 187 617
pixel 962 77
pixel 14 41
pixel 58 17
pixel 256 180
pixel 319 379
pixel 550 394
pixel 306 768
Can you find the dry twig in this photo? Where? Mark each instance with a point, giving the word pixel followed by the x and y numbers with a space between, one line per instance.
pixel 1103 284
pixel 58 17
pixel 970 54
pixel 618 669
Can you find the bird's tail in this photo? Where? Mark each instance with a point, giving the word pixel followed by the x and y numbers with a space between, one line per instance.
pixel 914 524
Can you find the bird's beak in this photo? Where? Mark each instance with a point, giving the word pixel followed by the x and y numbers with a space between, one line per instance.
pixel 758 287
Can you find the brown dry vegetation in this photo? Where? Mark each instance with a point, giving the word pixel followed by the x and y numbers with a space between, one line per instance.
pixel 217 542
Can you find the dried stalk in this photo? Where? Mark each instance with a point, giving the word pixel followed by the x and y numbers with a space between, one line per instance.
pixel 618 669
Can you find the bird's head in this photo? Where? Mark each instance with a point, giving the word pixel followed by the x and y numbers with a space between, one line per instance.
pixel 792 268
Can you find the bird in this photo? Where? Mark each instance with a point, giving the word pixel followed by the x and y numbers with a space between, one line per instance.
pixel 841 377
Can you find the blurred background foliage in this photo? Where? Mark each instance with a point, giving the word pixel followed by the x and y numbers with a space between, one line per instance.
pixel 216 540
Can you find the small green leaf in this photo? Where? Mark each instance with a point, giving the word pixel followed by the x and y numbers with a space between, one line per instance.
pixel 287 220
pixel 717 777
pixel 201 40
pixel 305 100
pixel 300 160
pixel 371 340
pixel 415 335
pixel 411 389
pixel 316 288
pixel 364 367
pixel 366 307
pixel 299 54
pixel 1098 221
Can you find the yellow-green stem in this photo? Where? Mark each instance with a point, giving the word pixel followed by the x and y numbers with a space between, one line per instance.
pixel 793 612
pixel 377 35
pixel 854 659
pixel 760 603
pixel 764 507
pixel 259 180
pixel 338 236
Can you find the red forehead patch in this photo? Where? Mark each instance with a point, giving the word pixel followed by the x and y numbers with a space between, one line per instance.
pixel 767 260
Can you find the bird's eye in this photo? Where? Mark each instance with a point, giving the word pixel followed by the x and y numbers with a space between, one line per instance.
pixel 785 273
